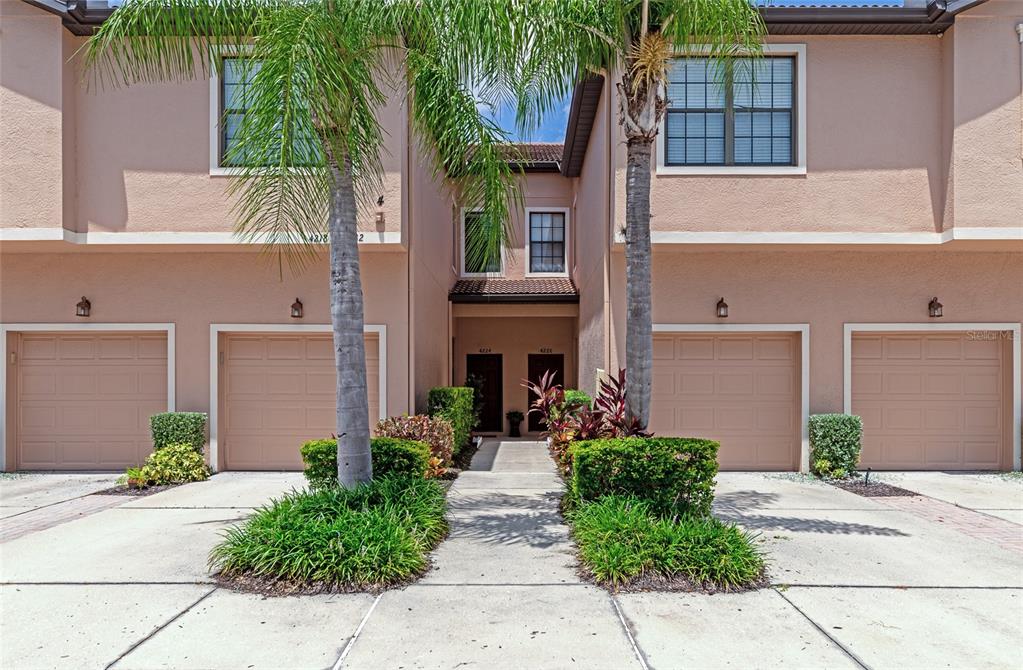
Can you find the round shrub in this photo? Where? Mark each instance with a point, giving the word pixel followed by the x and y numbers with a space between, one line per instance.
pixel 178 428
pixel 391 456
pixel 674 475
pixel 835 444
pixel 577 397
pixel 455 405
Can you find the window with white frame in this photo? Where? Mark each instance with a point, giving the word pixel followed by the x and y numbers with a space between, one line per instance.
pixel 232 100
pixel 475 259
pixel 737 113
pixel 547 242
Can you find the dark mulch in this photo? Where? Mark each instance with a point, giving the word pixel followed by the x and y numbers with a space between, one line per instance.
pixel 463 458
pixel 873 489
pixel 650 582
pixel 265 586
pixel 125 490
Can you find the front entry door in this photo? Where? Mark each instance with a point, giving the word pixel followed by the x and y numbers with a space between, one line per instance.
pixel 488 367
pixel 538 365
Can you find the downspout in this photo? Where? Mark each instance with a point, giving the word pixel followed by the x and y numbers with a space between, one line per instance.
pixel 1019 32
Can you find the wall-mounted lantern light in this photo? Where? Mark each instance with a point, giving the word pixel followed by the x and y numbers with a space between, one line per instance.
pixel 296 309
pixel 934 308
pixel 722 309
pixel 83 307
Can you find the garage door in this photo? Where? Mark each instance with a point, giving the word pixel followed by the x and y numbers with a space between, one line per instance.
pixel 84 400
pixel 929 401
pixel 739 389
pixel 278 392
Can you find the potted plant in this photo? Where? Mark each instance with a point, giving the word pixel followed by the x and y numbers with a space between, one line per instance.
pixel 514 417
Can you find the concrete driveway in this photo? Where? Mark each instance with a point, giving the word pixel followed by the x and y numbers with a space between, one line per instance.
pixel 857 583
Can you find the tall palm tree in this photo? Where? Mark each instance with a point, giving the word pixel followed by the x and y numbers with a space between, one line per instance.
pixel 309 142
pixel 634 41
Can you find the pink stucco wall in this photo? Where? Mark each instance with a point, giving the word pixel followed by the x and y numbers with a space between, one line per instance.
pixel 193 290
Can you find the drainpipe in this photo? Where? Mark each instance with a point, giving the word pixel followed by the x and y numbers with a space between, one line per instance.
pixel 1019 31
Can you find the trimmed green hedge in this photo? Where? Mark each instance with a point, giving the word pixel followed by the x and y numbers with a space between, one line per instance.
pixel 674 475
pixel 391 456
pixel 454 404
pixel 835 444
pixel 178 428
pixel 578 397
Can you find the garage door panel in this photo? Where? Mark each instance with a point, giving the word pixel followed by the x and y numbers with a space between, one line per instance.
pixel 741 390
pixel 941 406
pixel 84 400
pixel 278 393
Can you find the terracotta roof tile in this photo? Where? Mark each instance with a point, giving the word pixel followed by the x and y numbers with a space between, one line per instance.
pixel 560 288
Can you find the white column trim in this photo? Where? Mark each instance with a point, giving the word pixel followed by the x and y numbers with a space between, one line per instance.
pixel 930 326
pixel 6 328
pixel 804 386
pixel 217 328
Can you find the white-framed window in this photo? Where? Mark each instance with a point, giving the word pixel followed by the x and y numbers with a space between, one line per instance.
pixel 474 260
pixel 229 99
pixel 547 241
pixel 744 117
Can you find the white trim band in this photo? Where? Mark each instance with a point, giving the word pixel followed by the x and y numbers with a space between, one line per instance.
pixel 163 237
pixel 6 328
pixel 217 328
pixel 851 238
pixel 1017 384
pixel 804 374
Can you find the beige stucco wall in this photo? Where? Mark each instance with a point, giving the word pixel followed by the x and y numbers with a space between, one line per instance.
pixel 826 289
pixel 32 135
pixel 193 290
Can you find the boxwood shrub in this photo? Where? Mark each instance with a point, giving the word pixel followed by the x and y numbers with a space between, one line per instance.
pixel 835 444
pixel 575 396
pixel 674 475
pixel 178 428
pixel 391 457
pixel 454 404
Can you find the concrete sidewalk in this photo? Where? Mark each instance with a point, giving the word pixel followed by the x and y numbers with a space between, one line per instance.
pixel 856 584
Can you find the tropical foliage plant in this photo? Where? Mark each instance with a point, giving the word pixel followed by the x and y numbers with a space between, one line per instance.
pixel 307 155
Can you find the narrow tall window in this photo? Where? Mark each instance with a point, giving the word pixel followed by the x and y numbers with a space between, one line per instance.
pixel 547 242
pixel 236 76
pixel 474 247
pixel 736 113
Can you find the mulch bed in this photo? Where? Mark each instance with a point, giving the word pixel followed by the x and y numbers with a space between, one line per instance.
pixel 282 587
pixel 125 490
pixel 463 458
pixel 652 582
pixel 873 489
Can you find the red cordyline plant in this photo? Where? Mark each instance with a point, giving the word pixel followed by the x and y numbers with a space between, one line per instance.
pixel 611 400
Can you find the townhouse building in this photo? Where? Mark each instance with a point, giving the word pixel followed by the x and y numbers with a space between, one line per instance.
pixel 837 227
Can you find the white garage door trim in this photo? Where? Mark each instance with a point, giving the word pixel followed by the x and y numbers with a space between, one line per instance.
pixel 217 328
pixel 1017 345
pixel 804 364
pixel 6 328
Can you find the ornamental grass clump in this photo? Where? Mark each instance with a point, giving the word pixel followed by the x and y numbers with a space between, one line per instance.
pixel 336 539
pixel 621 541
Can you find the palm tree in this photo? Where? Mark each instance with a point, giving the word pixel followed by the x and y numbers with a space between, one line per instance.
pixel 633 40
pixel 308 146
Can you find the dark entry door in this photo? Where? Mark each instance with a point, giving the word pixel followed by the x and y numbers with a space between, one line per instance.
pixel 488 367
pixel 538 365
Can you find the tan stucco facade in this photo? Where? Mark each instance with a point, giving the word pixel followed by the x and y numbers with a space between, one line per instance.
pixel 912 188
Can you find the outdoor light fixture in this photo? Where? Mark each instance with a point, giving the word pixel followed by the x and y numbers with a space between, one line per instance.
pixel 934 308
pixel 722 309
pixel 83 307
pixel 296 309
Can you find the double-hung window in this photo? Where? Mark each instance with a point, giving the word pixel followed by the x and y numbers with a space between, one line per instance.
pixel 735 113
pixel 236 77
pixel 547 242
pixel 475 259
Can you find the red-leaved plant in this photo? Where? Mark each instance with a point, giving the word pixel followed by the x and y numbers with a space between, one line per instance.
pixel 611 401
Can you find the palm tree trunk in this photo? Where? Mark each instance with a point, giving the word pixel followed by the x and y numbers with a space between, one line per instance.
pixel 354 460
pixel 638 325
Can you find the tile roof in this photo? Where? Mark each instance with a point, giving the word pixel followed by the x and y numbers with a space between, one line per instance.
pixel 536 289
pixel 540 152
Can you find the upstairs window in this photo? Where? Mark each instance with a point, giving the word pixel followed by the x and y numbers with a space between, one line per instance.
pixel 735 113
pixel 547 237
pixel 474 256
pixel 236 76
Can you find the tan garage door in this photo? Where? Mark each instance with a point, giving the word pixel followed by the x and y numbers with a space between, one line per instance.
pixel 84 400
pixel 278 392
pixel 929 401
pixel 739 389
